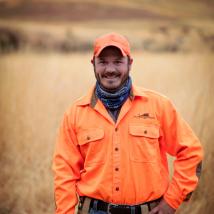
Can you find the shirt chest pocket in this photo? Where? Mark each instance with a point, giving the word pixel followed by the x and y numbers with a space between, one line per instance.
pixel 144 143
pixel 92 146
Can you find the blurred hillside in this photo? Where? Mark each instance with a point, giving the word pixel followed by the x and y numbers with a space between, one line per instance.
pixel 68 26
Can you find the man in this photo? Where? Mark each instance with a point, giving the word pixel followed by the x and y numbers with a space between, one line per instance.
pixel 110 155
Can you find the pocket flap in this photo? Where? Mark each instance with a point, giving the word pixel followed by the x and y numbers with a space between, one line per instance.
pixel 89 135
pixel 150 131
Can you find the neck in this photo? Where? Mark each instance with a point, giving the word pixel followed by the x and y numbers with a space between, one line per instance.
pixel 114 100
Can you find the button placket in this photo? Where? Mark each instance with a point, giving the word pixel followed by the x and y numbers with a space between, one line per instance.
pixel 116 163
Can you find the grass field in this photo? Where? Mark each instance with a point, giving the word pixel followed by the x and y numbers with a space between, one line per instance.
pixel 35 90
pixel 45 66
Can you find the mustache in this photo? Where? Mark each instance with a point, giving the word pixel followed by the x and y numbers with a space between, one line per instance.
pixel 110 73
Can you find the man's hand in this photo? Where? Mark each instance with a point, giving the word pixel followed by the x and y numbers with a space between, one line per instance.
pixel 162 208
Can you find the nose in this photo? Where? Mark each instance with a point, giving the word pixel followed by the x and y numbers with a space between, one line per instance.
pixel 110 68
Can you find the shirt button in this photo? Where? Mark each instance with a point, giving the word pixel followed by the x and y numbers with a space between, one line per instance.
pixel 116 129
pixel 145 131
pixel 117 188
pixel 116 149
pixel 116 169
pixel 88 138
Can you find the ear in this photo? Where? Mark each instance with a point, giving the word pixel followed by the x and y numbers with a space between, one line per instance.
pixel 93 60
pixel 130 61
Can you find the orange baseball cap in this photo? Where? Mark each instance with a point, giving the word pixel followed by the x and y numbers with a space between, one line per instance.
pixel 112 39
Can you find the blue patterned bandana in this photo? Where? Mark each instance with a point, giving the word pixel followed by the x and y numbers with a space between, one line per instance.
pixel 114 100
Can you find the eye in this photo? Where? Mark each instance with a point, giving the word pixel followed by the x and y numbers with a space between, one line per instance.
pixel 118 62
pixel 102 62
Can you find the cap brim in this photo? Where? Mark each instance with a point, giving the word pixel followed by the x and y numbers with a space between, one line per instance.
pixel 107 45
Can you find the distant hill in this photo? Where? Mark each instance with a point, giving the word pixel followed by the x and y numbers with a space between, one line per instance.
pixel 64 10
pixel 72 25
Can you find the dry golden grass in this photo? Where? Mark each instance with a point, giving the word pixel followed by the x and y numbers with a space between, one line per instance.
pixel 35 90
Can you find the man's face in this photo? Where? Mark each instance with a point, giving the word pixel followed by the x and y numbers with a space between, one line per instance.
pixel 111 68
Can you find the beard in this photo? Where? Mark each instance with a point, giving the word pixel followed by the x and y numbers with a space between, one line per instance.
pixel 116 74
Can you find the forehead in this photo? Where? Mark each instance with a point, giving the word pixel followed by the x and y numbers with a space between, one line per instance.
pixel 110 51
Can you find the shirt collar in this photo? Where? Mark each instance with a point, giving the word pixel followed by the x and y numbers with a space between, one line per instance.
pixel 91 99
pixel 137 92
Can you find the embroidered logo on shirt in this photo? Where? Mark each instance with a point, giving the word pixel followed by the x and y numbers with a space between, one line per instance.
pixel 144 116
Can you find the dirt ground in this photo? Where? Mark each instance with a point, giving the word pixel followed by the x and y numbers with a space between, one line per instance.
pixel 35 90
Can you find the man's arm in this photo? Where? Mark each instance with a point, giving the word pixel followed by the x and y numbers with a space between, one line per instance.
pixel 180 141
pixel 67 162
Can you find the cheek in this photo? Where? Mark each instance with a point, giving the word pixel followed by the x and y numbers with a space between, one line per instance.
pixel 125 70
pixel 97 72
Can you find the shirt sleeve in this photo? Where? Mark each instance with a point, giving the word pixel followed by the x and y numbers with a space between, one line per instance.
pixel 67 162
pixel 180 142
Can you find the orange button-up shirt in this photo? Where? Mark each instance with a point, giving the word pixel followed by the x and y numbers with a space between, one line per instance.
pixel 124 162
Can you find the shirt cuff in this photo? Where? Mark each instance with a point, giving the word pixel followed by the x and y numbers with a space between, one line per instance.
pixel 173 201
